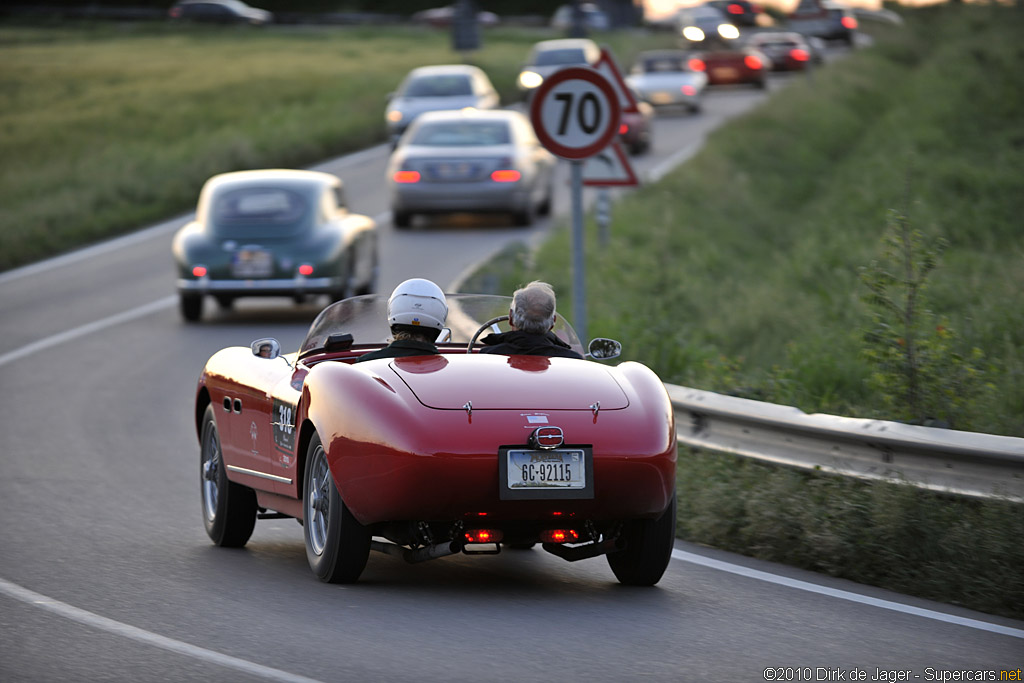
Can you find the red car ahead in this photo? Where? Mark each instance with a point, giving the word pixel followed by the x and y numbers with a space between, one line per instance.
pixel 459 452
pixel 734 66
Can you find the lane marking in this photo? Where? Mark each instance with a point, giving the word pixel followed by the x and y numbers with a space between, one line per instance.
pixel 845 595
pixel 89 328
pixel 121 629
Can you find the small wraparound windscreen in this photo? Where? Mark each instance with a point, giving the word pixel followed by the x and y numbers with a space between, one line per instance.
pixel 259 212
pixel 462 134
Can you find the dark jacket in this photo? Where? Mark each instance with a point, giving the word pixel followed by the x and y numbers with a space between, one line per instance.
pixel 519 343
pixel 400 349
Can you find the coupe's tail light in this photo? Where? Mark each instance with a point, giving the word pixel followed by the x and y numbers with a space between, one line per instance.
pixel 623 128
pixel 689 90
pixel 752 62
pixel 406 176
pixel 799 55
pixel 483 536
pixel 506 175
pixel 559 536
pixel 697 65
pixel 199 271
pixel 305 269
pixel 849 22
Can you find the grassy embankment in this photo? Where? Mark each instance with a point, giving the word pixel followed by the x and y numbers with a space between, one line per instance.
pixel 108 127
pixel 741 274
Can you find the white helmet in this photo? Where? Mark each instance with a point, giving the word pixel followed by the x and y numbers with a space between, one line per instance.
pixel 418 303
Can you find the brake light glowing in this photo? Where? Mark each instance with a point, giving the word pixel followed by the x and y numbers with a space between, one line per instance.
pixel 697 65
pixel 799 55
pixel 689 90
pixel 305 269
pixel 623 129
pixel 559 536
pixel 506 176
pixel 483 536
pixel 406 176
pixel 849 22
pixel 199 271
pixel 735 9
pixel 752 62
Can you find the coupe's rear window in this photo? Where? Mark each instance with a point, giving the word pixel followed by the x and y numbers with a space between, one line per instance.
pixel 439 86
pixel 263 205
pixel 462 134
pixel 566 56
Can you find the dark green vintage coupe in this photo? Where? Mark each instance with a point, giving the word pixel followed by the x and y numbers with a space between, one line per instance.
pixel 273 232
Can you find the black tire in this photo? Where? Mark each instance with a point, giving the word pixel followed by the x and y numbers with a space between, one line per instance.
pixel 648 549
pixel 401 219
pixel 525 217
pixel 191 306
pixel 337 545
pixel 229 509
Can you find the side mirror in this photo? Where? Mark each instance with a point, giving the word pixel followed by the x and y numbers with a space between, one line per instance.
pixel 266 348
pixel 604 349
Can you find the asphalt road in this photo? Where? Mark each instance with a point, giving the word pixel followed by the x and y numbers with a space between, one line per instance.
pixel 106 573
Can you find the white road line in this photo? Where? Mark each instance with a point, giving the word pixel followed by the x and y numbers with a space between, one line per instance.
pixel 89 328
pixel 845 595
pixel 117 628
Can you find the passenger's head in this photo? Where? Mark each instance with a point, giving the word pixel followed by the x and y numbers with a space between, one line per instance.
pixel 417 309
pixel 533 308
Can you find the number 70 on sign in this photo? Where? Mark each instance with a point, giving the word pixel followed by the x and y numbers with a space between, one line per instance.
pixel 575 113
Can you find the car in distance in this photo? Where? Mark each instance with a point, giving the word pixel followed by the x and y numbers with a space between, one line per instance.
pixel 734 65
pixel 470 161
pixel 636 128
pixel 219 12
pixel 444 17
pixel 549 56
pixel 702 25
pixel 739 12
pixel 427 456
pixel 439 87
pixel 787 50
pixel 668 78
pixel 593 17
pixel 273 232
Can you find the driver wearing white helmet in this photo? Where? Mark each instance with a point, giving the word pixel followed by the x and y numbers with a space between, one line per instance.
pixel 417 311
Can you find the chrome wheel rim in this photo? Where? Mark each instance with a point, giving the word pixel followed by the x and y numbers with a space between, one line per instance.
pixel 210 470
pixel 318 502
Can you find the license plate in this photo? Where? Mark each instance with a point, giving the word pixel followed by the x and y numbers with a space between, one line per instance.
pixel 537 473
pixel 725 72
pixel 455 171
pixel 252 263
pixel 661 98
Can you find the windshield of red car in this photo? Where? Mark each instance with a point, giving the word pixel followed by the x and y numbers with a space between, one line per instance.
pixel 365 318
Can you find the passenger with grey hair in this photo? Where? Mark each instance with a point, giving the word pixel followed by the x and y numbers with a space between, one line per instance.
pixel 532 317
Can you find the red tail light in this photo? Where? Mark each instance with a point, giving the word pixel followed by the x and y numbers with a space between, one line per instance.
pixel 483 536
pixel 752 62
pixel 735 9
pixel 799 55
pixel 199 271
pixel 689 90
pixel 406 176
pixel 849 22
pixel 697 64
pixel 623 129
pixel 506 176
pixel 559 536
pixel 305 269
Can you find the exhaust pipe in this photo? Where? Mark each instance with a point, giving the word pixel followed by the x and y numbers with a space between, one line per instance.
pixel 414 555
pixel 583 552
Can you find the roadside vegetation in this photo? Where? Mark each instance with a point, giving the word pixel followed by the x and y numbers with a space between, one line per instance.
pixel 853 247
pixel 106 127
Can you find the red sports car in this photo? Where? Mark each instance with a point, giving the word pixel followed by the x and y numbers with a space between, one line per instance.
pixel 428 456
pixel 734 66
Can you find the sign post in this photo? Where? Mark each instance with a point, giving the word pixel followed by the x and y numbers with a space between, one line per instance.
pixel 575 114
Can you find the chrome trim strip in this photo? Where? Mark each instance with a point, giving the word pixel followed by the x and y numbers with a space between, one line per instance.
pixel 261 475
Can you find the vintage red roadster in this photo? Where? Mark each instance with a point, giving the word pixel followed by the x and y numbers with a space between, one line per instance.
pixel 428 456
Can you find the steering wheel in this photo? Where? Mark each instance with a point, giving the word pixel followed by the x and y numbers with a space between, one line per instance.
pixel 492 321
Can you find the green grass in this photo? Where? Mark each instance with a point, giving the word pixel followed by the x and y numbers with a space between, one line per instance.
pixel 740 273
pixel 107 127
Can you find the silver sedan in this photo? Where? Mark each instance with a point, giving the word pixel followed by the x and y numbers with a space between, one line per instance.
pixel 666 77
pixel 470 161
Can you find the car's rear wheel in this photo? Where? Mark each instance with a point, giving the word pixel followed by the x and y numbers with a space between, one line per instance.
pixel 337 545
pixel 229 509
pixel 401 219
pixel 191 306
pixel 648 549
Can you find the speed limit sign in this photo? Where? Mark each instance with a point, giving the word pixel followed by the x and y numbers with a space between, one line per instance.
pixel 575 113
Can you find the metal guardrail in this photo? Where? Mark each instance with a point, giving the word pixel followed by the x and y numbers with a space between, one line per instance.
pixel 966 463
